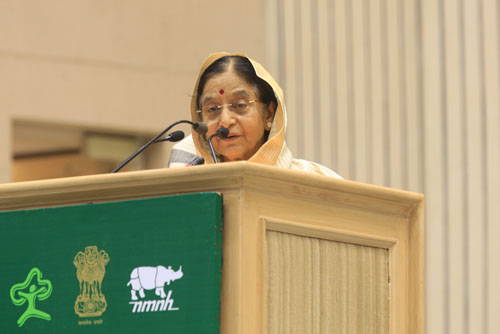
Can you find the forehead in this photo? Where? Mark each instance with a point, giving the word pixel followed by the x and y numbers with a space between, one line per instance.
pixel 227 83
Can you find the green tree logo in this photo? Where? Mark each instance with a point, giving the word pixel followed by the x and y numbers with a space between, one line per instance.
pixel 31 290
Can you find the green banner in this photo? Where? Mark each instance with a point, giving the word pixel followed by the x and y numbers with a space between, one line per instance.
pixel 148 265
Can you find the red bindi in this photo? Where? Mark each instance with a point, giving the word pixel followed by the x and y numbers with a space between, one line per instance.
pixel 221 91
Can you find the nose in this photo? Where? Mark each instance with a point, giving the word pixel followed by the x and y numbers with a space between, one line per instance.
pixel 226 117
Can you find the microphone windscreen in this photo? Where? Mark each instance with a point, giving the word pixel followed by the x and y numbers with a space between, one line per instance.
pixel 175 136
pixel 222 132
pixel 200 127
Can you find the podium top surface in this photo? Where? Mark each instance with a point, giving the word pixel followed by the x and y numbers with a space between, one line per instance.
pixel 222 178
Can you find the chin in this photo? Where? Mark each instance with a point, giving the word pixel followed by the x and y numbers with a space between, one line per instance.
pixel 231 155
pixel 226 159
pixel 235 157
pixel 235 154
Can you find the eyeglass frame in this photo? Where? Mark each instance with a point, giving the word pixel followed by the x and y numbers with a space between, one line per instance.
pixel 220 107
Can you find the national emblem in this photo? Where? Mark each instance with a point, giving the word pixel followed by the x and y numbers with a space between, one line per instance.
pixel 90 270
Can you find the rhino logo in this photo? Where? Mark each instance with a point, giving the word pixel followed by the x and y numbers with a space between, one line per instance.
pixel 149 278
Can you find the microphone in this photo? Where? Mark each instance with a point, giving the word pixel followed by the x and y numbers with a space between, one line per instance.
pixel 221 132
pixel 197 161
pixel 173 137
pixel 199 127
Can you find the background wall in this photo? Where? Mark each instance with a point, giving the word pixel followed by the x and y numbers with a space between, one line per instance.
pixel 398 93
pixel 112 66
pixel 405 94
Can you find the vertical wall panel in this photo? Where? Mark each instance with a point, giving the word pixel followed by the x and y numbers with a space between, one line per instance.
pixel 367 53
pixel 413 95
pixel 434 192
pixel 351 110
pixel 316 67
pixel 289 77
pixel 307 110
pixel 403 126
pixel 491 63
pixel 298 83
pixel 386 135
pixel 395 92
pixel 377 90
pixel 342 126
pixel 273 22
pixel 334 83
pixel 359 86
pixel 324 71
pixel 475 159
pixel 455 177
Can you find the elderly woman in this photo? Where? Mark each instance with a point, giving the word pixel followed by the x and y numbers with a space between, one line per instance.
pixel 237 93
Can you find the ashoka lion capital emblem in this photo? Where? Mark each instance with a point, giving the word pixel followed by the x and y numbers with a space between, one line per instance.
pixel 90 270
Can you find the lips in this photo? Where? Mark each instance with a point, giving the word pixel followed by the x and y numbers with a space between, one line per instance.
pixel 231 136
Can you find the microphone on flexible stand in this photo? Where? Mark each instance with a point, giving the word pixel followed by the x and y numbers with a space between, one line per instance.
pixel 199 127
pixel 221 132
pixel 173 137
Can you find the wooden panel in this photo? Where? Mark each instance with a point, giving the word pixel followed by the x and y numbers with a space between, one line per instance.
pixel 372 230
pixel 416 272
pixel 321 286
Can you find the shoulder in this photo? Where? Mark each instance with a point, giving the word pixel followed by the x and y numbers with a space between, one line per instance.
pixel 313 167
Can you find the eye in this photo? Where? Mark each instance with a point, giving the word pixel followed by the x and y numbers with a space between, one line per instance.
pixel 212 109
pixel 240 105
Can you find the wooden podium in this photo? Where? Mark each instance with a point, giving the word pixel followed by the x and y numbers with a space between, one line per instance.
pixel 301 253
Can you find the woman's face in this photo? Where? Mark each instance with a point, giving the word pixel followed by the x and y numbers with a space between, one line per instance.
pixel 246 129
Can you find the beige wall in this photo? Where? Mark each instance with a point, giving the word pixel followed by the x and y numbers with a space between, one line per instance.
pixel 122 66
pixel 5 149
pixel 405 94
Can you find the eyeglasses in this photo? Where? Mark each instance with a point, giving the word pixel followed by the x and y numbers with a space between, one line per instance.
pixel 212 111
